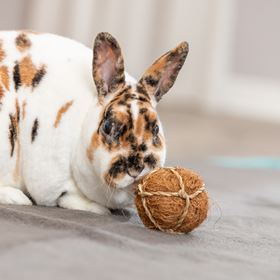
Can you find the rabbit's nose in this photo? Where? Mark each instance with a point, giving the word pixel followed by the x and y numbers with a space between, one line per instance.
pixel 134 173
pixel 134 165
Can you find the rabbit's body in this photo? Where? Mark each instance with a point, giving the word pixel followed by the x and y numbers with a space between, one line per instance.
pixel 50 115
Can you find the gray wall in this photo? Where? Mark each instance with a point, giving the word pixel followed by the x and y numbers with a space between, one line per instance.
pixel 148 28
pixel 145 29
pixel 257 38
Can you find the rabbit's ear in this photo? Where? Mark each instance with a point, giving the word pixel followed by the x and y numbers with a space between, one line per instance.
pixel 161 75
pixel 107 65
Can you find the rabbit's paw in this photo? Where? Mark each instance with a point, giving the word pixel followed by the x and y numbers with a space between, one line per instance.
pixel 10 195
pixel 76 201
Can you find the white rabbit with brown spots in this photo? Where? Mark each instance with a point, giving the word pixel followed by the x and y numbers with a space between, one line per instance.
pixel 76 131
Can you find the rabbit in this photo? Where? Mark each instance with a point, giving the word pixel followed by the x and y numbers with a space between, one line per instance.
pixel 77 131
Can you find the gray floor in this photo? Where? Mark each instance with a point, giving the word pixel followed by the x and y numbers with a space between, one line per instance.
pixel 239 240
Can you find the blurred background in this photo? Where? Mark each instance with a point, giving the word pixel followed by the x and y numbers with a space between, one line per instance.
pixel 226 101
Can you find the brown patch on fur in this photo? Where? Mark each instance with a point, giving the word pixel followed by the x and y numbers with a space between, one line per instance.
pixel 122 117
pixel 24 109
pixel 61 112
pixel 18 146
pixel 124 142
pixel 1 93
pixel 4 77
pixel 27 74
pixel 23 43
pixel 12 133
pixel 14 128
pixel 39 76
pixel 117 170
pixel 27 71
pixel 158 142
pixel 150 118
pixel 17 111
pixel 152 130
pixel 2 52
pixel 139 125
pixel 147 136
pixel 109 180
pixel 94 143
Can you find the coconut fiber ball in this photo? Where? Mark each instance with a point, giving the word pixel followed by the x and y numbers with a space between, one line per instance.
pixel 172 200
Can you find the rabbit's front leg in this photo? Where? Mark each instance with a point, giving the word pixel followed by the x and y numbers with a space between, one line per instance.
pixel 73 199
pixel 11 195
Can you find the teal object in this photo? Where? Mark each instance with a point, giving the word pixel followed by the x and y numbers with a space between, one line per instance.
pixel 247 162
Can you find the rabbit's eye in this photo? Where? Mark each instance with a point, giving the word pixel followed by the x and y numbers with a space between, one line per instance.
pixel 107 127
pixel 155 130
pixel 113 129
pixel 156 138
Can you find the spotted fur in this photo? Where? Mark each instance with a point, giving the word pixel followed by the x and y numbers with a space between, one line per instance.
pixel 94 143
pixel 24 103
pixel 121 128
pixel 12 133
pixel 4 77
pixel 18 142
pixel 27 74
pixel 62 110
pixel 2 52
pixel 16 76
pixel 1 95
pixel 34 131
pixel 14 127
pixel 70 142
pixel 40 73
pixel 23 43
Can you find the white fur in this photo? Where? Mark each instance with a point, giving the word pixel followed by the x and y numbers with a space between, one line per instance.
pixel 56 161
